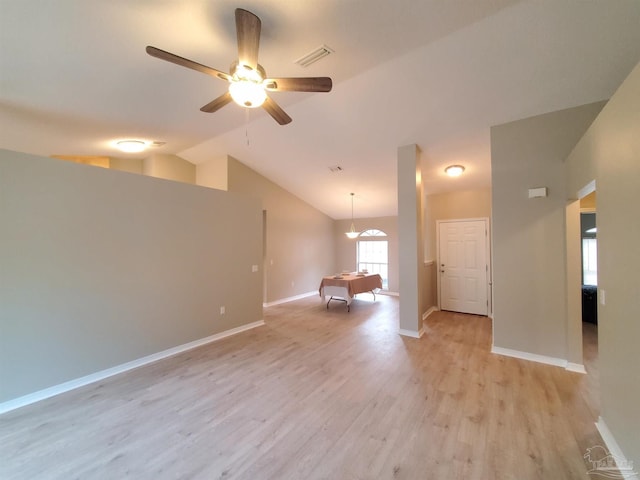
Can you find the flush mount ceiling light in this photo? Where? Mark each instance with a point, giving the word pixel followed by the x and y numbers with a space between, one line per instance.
pixel 352 231
pixel 131 146
pixel 454 170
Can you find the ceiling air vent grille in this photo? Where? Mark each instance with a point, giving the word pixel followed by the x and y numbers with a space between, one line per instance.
pixel 335 168
pixel 314 56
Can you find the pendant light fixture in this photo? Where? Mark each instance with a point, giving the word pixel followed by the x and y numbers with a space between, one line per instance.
pixel 352 231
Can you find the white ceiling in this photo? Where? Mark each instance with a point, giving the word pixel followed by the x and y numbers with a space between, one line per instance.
pixel 74 76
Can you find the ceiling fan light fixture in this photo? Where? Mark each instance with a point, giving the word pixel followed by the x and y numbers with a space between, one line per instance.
pixel 247 93
pixel 246 87
pixel 131 146
pixel 248 82
pixel 454 170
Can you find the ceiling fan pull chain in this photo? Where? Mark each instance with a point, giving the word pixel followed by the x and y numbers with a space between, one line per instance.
pixel 246 125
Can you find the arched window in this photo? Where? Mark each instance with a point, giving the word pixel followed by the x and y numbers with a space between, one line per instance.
pixel 373 254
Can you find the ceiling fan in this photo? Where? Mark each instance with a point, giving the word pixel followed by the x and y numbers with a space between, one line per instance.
pixel 248 82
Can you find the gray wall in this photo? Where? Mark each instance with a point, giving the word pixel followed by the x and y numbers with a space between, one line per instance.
pixel 346 248
pixel 413 276
pixel 299 238
pixel 100 267
pixel 529 257
pixel 609 153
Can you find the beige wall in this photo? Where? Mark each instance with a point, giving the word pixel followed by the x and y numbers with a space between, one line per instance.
pixel 100 267
pixel 454 206
pixel 345 248
pixel 609 153
pixel 131 165
pixel 213 173
pixel 169 167
pixel 529 257
pixel 299 238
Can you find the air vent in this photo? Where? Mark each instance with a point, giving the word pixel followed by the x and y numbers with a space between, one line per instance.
pixel 314 56
pixel 336 168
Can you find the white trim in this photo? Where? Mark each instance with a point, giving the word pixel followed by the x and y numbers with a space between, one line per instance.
pixel 388 293
pixel 109 372
pixel 587 189
pixel 291 299
pixel 532 357
pixel 613 447
pixel 429 312
pixel 576 367
pixel 411 333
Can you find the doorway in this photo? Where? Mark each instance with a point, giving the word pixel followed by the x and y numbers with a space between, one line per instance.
pixel 589 281
pixel 463 265
pixel 582 298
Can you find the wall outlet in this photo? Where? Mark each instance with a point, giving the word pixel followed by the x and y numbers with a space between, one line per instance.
pixel 222 310
pixel 602 297
pixel 254 268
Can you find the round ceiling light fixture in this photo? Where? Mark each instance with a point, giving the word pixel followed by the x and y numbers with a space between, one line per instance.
pixel 454 170
pixel 131 146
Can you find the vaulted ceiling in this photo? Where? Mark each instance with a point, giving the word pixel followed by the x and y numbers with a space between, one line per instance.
pixel 74 76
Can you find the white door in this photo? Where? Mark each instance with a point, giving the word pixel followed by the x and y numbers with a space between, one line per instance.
pixel 463 267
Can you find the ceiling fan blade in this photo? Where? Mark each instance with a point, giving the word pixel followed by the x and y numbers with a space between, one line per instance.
pixel 248 30
pixel 276 112
pixel 306 84
pixel 184 62
pixel 217 104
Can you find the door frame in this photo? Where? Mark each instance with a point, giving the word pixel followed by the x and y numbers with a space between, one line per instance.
pixel 488 281
pixel 573 269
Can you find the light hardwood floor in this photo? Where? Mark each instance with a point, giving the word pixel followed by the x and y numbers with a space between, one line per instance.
pixel 317 394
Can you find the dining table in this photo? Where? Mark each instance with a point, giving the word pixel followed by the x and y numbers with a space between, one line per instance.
pixel 345 286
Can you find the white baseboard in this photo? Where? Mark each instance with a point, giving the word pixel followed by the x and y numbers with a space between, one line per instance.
pixel 411 333
pixel 388 292
pixel 109 372
pixel 291 299
pixel 429 312
pixel 533 357
pixel 625 466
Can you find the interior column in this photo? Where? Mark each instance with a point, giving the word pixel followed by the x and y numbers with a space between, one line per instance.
pixel 410 236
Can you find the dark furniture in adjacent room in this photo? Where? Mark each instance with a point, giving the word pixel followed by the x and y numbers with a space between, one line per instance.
pixel 589 304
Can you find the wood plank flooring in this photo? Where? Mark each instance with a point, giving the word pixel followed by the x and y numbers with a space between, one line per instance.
pixel 317 394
